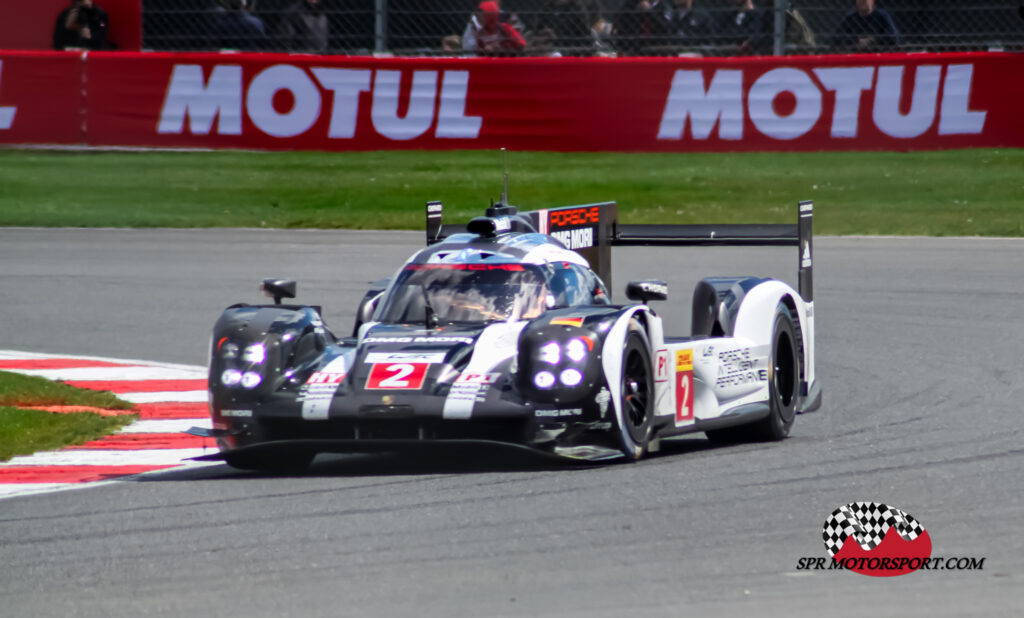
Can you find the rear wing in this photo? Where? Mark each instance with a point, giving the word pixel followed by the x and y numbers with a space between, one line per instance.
pixel 592 229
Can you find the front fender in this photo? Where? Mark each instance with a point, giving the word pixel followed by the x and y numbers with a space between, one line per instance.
pixel 611 352
pixel 292 338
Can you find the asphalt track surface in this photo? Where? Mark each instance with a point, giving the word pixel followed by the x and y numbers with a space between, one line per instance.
pixel 919 348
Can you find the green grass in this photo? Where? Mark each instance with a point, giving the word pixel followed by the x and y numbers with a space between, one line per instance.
pixel 965 192
pixel 23 432
pixel 22 390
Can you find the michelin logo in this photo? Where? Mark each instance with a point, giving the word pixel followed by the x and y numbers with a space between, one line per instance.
pixel 576 239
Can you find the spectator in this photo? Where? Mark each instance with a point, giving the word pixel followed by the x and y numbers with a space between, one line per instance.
pixel 601 34
pixel 235 28
pixel 866 29
pixel 304 27
pixel 569 22
pixel 634 27
pixel 683 24
pixel 798 35
pixel 451 44
pixel 489 32
pixel 82 25
pixel 746 28
pixel 542 43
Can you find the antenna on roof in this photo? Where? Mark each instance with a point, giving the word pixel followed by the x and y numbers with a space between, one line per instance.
pixel 504 177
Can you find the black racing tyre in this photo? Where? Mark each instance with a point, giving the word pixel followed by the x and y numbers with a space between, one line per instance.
pixel 636 388
pixel 284 462
pixel 783 387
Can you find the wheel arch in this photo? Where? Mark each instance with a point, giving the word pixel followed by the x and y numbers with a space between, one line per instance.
pixel 615 342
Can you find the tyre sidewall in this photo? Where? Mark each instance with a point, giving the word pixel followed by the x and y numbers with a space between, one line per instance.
pixel 782 415
pixel 636 340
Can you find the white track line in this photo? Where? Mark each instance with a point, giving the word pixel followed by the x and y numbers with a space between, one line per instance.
pixel 18 355
pixel 172 425
pixel 128 374
pixel 166 397
pixel 146 457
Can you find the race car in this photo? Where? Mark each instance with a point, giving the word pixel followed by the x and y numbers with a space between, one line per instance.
pixel 504 331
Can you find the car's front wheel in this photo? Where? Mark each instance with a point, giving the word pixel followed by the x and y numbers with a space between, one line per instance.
pixel 636 395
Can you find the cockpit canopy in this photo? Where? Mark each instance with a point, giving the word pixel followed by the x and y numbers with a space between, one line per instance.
pixel 440 294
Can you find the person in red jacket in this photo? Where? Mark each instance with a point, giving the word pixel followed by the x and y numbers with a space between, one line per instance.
pixel 488 34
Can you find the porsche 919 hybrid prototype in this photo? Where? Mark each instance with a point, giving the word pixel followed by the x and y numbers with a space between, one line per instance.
pixel 505 331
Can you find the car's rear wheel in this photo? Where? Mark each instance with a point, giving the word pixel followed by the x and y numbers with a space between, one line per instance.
pixel 636 390
pixel 783 387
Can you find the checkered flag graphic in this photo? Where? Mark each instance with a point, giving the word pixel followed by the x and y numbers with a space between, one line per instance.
pixel 867 523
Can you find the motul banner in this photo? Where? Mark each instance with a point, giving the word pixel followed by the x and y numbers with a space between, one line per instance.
pixel 41 98
pixel 268 101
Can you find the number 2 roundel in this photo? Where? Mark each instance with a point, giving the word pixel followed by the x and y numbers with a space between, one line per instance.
pixel 397 376
pixel 684 385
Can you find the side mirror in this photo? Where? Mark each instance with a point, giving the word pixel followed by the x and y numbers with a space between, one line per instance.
pixel 645 291
pixel 278 289
pixel 369 303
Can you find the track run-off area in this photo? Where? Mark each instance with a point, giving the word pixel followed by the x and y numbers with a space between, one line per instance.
pixel 168 399
pixel 919 353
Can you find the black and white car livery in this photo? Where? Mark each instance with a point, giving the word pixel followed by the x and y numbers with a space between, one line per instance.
pixel 504 331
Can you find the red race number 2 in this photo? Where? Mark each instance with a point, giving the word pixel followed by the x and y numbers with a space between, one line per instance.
pixel 397 376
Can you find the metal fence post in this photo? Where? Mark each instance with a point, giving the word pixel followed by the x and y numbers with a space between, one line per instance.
pixel 380 26
pixel 781 6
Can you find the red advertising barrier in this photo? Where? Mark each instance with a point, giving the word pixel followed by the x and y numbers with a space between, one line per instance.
pixel 268 101
pixel 42 98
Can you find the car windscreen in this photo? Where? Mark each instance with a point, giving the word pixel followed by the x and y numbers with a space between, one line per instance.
pixel 454 293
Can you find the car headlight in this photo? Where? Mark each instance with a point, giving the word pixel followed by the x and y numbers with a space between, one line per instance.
pixel 544 379
pixel 230 377
pixel 255 353
pixel 229 351
pixel 551 353
pixel 251 379
pixel 241 364
pixel 576 349
pixel 570 377
pixel 558 364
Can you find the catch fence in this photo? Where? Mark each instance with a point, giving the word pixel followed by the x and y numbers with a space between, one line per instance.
pixel 585 27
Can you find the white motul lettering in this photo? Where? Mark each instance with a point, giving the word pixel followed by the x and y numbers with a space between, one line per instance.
pixel 721 103
pixel 420 115
pixel 259 101
pixel 772 84
pixel 452 121
pixel 188 95
pixel 346 85
pixel 7 112
pixel 848 84
pixel 956 117
pixel 888 92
